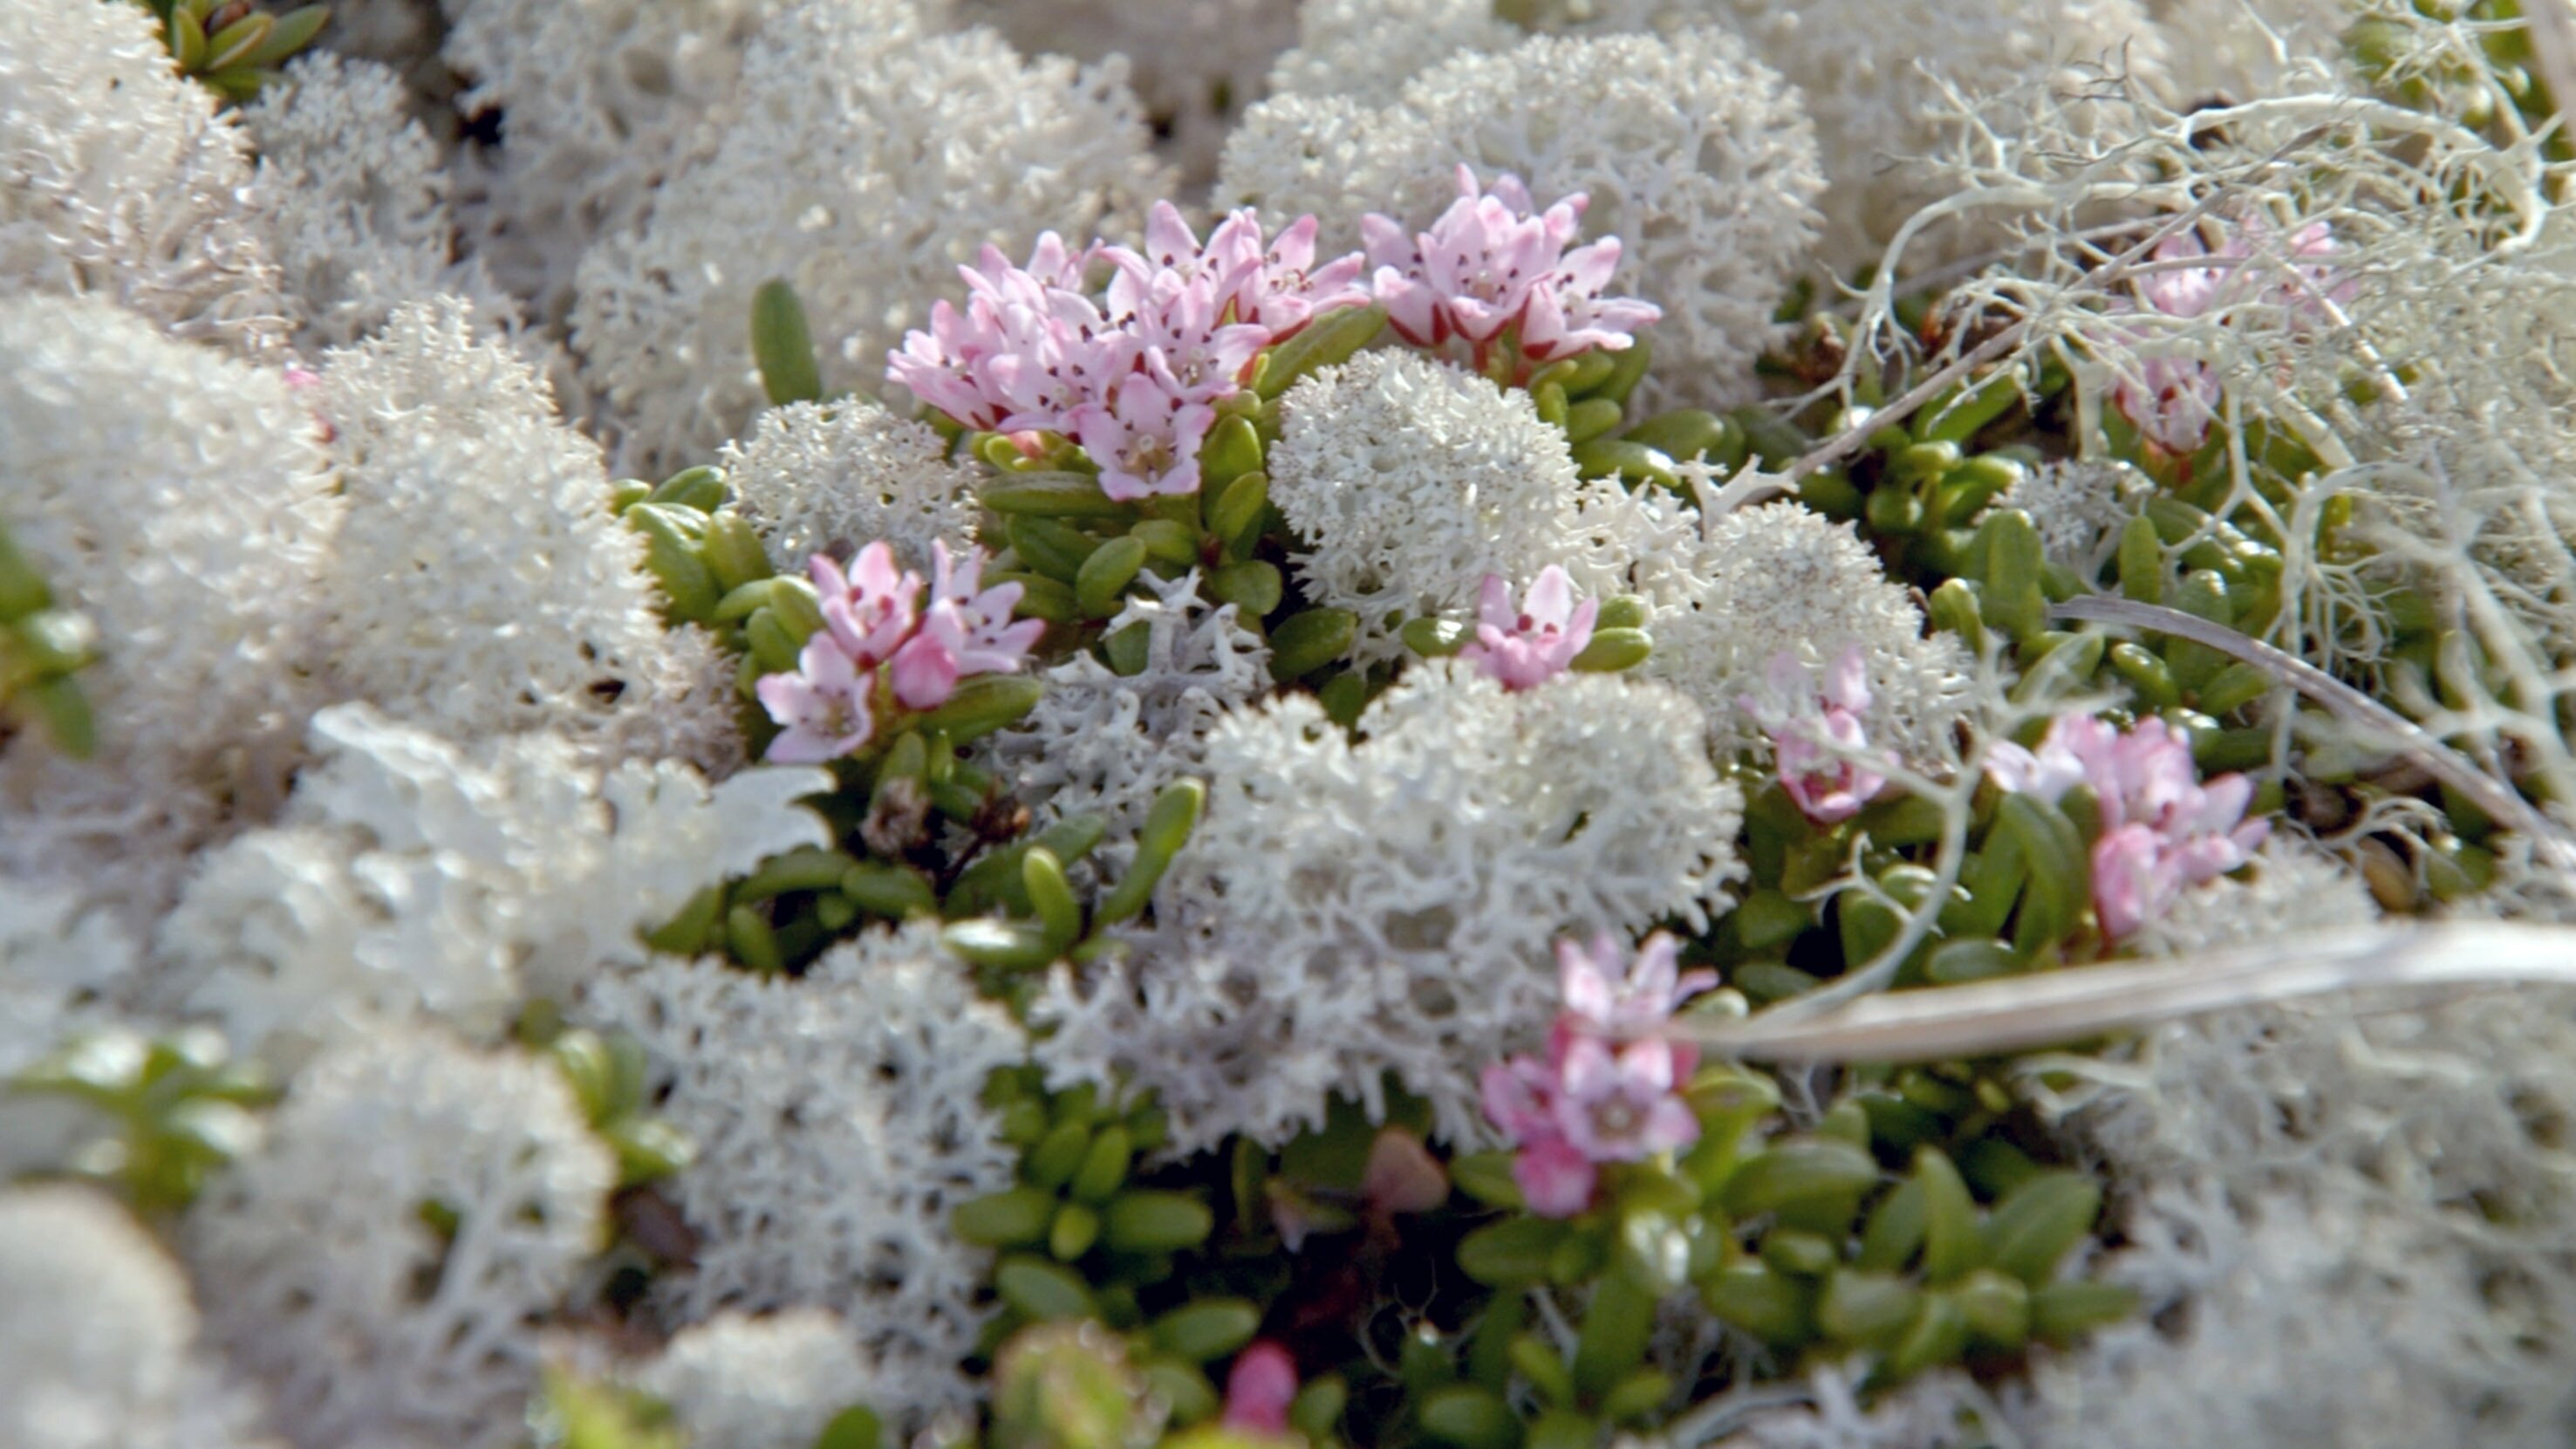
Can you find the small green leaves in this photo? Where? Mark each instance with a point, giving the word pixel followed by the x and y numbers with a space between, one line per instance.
pixel 1613 650
pixel 1513 1253
pixel 1798 1171
pixel 782 346
pixel 1303 643
pixel 1043 1291
pixel 983 704
pixel 2039 1222
pixel 1327 341
pixel 1207 1329
pixel 1051 495
pixel 1470 1417
pixel 1011 1218
pixel 1157 1222
pixel 1102 580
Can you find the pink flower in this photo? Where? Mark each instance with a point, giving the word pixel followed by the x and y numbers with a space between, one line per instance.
pixel 1147 440
pixel 1619 1000
pixel 1259 1389
pixel 1528 646
pixel 1176 319
pixel 1277 289
pixel 1555 1178
pixel 1026 349
pixel 1516 1094
pixel 974 623
pixel 2173 399
pixel 1609 1088
pixel 871 611
pixel 1492 260
pixel 1826 783
pixel 2163 830
pixel 823 704
pixel 1619 1106
pixel 1281 289
pixel 1567 313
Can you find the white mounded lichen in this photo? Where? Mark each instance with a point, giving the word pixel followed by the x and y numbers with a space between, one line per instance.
pixel 1881 81
pixel 63 969
pixel 405 879
pixel 98 1339
pixel 600 102
pixel 180 499
pixel 838 1122
pixel 1195 65
pixel 1367 49
pixel 1779 577
pixel 123 181
pixel 870 161
pixel 379 1264
pixel 740 1382
pixel 352 199
pixel 1103 744
pixel 480 586
pixel 1692 152
pixel 834 477
pixel 1347 913
pixel 1409 480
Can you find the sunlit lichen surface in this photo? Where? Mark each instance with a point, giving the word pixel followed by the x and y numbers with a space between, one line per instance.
pixel 1281 724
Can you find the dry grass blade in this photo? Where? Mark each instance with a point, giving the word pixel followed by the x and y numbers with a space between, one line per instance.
pixel 2021 1013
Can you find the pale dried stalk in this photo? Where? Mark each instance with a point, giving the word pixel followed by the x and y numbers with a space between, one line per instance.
pixel 2053 1008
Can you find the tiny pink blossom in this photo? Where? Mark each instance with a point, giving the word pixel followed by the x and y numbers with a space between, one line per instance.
pixel 1555 1178
pixel 974 623
pixel 872 609
pixel 1619 1106
pixel 2173 400
pixel 1493 260
pixel 823 705
pixel 1516 1095
pixel 1147 440
pixel 1530 645
pixel 1813 730
pixel 924 672
pixel 2163 829
pixel 1259 1389
pixel 1619 999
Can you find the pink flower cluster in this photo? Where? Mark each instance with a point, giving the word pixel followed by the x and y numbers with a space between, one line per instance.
pixel 1527 646
pixel 1827 786
pixel 1135 374
pixel 1609 1088
pixel 2173 400
pixel 1494 260
pixel 2162 829
pixel 880 651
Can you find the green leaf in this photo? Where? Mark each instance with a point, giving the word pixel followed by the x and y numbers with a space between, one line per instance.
pixel 1470 1417
pixel 1793 1172
pixel 2037 1223
pixel 1006 1219
pixel 1513 1253
pixel 1043 1291
pixel 1207 1329
pixel 983 704
pixel 1157 1222
pixel 1051 495
pixel 1306 642
pixel 294 30
pixel 782 346
pixel 1327 341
